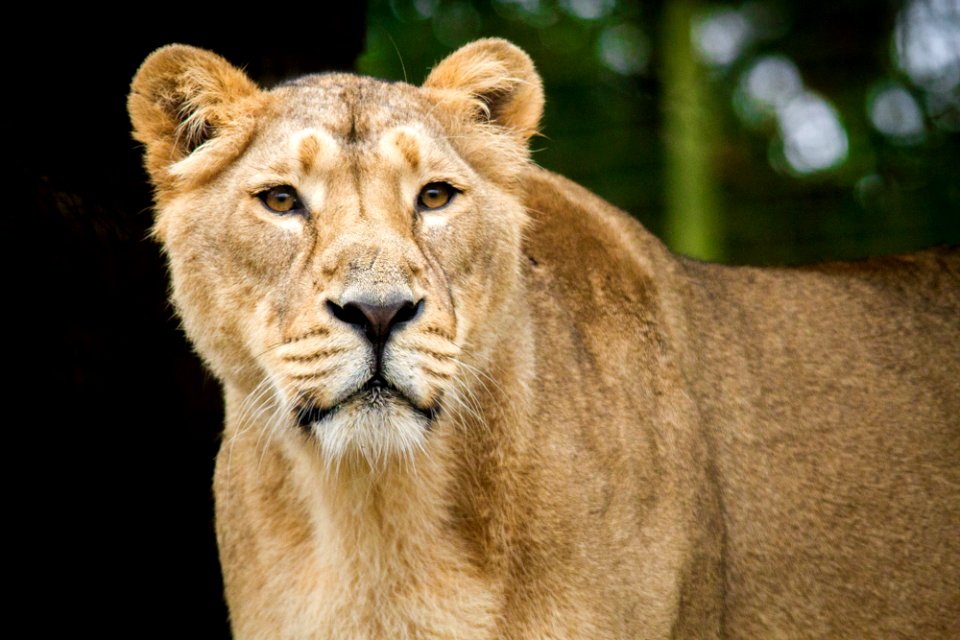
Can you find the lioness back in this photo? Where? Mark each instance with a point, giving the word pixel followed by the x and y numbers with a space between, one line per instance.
pixel 834 400
pixel 829 397
pixel 468 398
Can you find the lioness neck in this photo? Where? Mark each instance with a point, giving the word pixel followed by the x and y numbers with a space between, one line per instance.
pixel 353 550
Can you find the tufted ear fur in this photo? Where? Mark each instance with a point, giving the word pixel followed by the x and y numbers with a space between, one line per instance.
pixel 496 81
pixel 183 99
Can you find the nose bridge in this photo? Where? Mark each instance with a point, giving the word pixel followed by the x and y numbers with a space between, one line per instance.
pixel 377 261
pixel 368 243
pixel 371 250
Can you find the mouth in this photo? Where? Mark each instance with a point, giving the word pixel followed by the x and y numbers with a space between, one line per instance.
pixel 375 395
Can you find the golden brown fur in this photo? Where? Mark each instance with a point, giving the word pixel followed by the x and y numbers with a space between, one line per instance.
pixel 585 436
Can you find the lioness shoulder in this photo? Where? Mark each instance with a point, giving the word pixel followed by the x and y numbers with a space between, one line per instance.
pixel 468 398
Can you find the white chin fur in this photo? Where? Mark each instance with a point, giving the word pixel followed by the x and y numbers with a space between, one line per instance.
pixel 375 434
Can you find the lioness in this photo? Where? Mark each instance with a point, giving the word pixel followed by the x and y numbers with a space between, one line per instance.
pixel 467 398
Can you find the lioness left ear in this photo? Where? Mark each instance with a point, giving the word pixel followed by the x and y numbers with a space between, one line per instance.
pixel 183 97
pixel 497 79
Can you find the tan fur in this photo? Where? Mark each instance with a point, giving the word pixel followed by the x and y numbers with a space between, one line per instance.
pixel 627 445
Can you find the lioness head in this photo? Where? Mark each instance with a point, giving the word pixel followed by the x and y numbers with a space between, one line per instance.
pixel 341 248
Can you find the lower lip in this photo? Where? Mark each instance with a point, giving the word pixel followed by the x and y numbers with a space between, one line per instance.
pixel 369 394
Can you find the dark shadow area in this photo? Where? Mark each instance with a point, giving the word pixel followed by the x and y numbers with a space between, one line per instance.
pixel 113 452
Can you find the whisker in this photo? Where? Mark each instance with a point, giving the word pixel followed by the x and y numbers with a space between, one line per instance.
pixel 250 411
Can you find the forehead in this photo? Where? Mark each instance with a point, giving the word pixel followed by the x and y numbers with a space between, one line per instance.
pixel 354 110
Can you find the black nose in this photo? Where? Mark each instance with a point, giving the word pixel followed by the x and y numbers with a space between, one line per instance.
pixel 376 319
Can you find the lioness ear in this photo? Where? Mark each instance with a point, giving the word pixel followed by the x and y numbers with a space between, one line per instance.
pixel 500 81
pixel 183 97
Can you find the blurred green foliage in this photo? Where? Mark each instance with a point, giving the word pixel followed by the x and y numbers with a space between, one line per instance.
pixel 753 132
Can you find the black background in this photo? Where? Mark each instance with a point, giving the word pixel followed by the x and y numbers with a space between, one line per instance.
pixel 110 459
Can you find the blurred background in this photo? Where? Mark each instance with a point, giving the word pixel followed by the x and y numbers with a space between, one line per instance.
pixel 761 132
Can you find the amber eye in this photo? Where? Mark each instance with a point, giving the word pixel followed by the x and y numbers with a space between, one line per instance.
pixel 435 195
pixel 282 199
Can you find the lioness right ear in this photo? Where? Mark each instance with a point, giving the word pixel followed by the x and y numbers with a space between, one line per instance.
pixel 183 97
pixel 497 81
